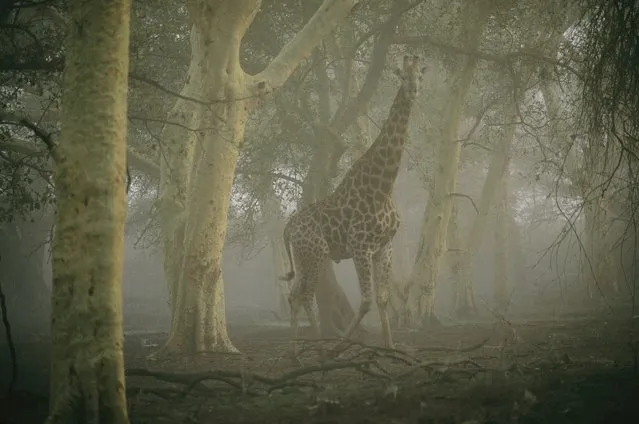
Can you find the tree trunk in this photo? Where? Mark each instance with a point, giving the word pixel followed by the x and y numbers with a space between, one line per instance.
pixel 437 216
pixel 274 221
pixel 198 321
pixel 23 251
pixel 596 255
pixel 454 255
pixel 500 285
pixel 175 171
pixel 465 301
pixel 196 192
pixel 282 288
pixel 397 300
pixel 335 311
pixel 87 373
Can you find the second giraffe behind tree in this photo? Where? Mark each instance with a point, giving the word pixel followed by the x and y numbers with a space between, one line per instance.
pixel 358 220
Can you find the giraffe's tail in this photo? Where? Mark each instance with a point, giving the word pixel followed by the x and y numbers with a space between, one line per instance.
pixel 287 245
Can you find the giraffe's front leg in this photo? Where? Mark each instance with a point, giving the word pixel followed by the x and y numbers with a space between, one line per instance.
pixel 363 265
pixel 312 317
pixel 382 269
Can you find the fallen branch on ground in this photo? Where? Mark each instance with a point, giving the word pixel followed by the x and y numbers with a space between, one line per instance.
pixel 241 380
pixel 378 351
pixel 453 349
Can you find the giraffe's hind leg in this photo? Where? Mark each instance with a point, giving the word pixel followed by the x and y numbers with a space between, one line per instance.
pixel 302 296
pixel 310 313
pixel 382 269
pixel 294 301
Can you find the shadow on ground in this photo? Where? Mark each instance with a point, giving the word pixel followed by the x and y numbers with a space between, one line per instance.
pixel 574 371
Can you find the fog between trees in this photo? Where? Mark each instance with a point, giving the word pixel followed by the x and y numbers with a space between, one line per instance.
pixel 517 188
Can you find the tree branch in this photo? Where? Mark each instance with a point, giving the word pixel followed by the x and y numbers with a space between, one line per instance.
pixel 349 111
pixel 466 197
pixel 160 87
pixel 418 40
pixel 39 132
pixel 136 161
pixel 11 63
pixel 315 30
pixel 227 376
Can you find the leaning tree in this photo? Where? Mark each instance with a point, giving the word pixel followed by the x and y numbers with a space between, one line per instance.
pixel 199 162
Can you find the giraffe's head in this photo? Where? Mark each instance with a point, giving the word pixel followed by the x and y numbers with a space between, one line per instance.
pixel 411 75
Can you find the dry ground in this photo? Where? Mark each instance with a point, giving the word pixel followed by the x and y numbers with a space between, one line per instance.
pixel 580 370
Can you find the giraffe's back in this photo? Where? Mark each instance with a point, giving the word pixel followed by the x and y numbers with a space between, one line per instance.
pixel 359 222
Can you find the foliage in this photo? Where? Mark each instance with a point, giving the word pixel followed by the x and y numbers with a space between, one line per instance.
pixel 586 49
pixel 608 37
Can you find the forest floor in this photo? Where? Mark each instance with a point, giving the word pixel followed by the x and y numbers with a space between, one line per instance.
pixel 577 370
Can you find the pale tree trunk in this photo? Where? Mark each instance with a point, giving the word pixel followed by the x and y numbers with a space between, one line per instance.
pixel 399 312
pixel 175 167
pixel 465 301
pixel 274 228
pixel 87 371
pixel 501 291
pixel 454 255
pixel 433 239
pixel 398 294
pixel 197 223
pixel 335 311
pixel 282 288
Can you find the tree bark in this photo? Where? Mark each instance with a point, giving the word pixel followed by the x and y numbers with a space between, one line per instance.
pixel 500 286
pixel 454 256
pixel 87 372
pixel 274 221
pixel 335 311
pixel 465 301
pixel 437 216
pixel 198 194
pixel 175 170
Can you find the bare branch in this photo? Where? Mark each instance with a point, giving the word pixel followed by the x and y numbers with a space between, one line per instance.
pixel 160 87
pixel 533 55
pixel 39 132
pixel 315 30
pixel 488 149
pixel 466 197
pixel 229 377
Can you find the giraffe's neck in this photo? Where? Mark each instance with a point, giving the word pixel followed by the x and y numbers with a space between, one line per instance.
pixel 385 154
pixel 395 128
pixel 374 173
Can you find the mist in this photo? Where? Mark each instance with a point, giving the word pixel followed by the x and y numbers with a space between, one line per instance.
pixel 484 151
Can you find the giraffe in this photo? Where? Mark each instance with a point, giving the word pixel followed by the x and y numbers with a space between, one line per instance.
pixel 358 220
